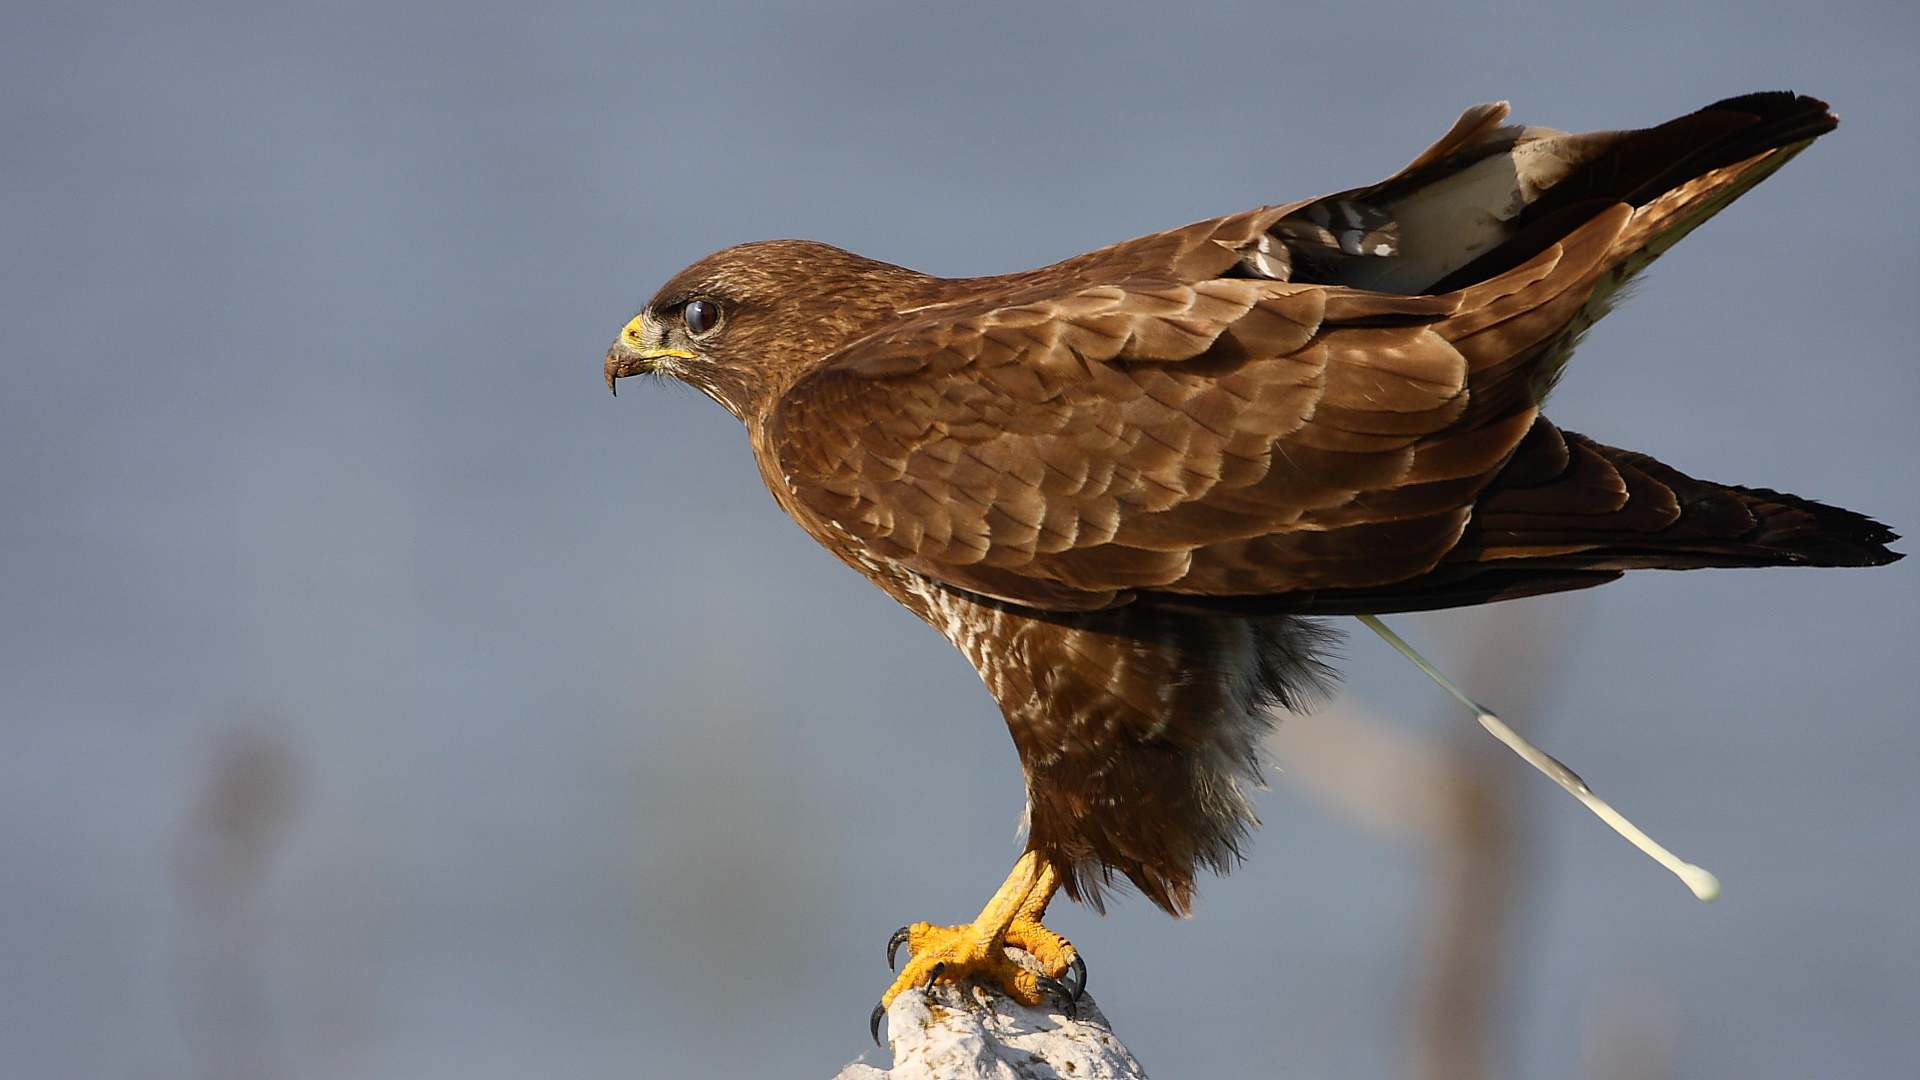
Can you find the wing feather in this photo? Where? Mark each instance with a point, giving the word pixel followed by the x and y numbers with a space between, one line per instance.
pixel 1149 417
pixel 1128 436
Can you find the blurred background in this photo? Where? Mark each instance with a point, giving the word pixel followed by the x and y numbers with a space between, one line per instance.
pixel 380 698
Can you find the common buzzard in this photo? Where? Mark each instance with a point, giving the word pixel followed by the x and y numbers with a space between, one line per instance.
pixel 1119 483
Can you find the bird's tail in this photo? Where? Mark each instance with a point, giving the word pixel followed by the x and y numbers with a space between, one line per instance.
pixel 1490 197
pixel 1674 176
pixel 1540 229
pixel 1568 513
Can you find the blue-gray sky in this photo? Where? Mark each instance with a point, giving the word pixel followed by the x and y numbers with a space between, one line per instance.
pixel 605 769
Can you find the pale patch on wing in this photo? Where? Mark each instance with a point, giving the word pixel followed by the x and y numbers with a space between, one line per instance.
pixel 1457 201
pixel 1449 223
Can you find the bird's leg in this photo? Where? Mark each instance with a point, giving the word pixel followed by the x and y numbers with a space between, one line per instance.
pixel 1055 953
pixel 1012 917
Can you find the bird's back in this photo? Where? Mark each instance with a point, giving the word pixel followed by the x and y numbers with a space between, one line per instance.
pixel 1329 406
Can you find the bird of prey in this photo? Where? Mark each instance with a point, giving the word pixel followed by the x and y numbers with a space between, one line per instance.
pixel 1122 484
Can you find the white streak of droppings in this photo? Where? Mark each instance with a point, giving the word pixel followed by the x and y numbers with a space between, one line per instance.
pixel 1702 882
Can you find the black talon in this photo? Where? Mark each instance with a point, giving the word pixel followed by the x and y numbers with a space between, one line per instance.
pixel 1055 986
pixel 1078 967
pixel 898 939
pixel 873 1022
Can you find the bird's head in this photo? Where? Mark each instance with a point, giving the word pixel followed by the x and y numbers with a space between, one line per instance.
pixel 740 325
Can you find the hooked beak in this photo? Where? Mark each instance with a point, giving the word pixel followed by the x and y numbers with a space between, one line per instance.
pixel 630 356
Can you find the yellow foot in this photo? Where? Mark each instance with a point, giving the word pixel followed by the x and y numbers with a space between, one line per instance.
pixel 1057 956
pixel 1012 918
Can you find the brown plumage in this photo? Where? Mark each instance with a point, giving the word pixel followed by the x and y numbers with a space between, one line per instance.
pixel 1116 483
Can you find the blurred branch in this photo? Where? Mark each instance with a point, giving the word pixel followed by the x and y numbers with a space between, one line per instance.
pixel 245 809
pixel 1429 795
pixel 1454 798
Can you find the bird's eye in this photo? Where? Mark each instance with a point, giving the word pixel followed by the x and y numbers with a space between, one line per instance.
pixel 701 316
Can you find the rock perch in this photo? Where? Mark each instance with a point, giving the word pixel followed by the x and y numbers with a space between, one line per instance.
pixel 972 1031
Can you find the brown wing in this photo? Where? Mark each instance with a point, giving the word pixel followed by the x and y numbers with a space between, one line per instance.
pixel 1206 435
pixel 1184 416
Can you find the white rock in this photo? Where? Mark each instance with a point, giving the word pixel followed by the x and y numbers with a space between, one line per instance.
pixel 971 1031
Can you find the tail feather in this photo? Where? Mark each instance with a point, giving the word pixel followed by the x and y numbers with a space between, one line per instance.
pixel 1792 531
pixel 1569 513
pixel 1644 166
pixel 1541 230
pixel 1647 164
pixel 1611 509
